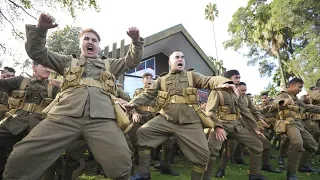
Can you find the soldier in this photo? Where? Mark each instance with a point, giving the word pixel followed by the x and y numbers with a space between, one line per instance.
pixel 179 116
pixel 302 144
pixel 227 107
pixel 312 119
pixel 29 96
pixel 142 115
pixel 84 109
pixel 7 72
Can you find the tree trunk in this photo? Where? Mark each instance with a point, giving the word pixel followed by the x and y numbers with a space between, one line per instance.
pixel 283 84
pixel 215 41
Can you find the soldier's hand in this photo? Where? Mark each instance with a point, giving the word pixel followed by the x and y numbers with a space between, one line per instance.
pixel 46 21
pixel 260 133
pixel 221 135
pixel 134 33
pixel 136 117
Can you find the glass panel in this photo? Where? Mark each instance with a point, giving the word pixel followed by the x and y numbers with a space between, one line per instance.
pixel 131 84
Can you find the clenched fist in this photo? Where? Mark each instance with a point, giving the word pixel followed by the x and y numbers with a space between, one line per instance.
pixel 46 21
pixel 134 33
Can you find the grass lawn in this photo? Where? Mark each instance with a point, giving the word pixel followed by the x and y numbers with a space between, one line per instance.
pixel 233 172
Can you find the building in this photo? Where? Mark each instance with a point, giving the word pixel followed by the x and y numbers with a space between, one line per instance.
pixel 157 49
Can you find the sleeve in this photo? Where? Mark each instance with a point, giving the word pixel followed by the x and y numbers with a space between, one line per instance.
pixel 8 85
pixel 247 115
pixel 208 82
pixel 212 107
pixel 147 95
pixel 130 61
pixel 37 51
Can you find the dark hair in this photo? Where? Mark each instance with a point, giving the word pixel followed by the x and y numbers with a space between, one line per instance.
pixel 249 94
pixel 242 84
pixel 10 69
pixel 89 30
pixel 264 94
pixel 311 88
pixel 295 81
pixel 230 73
pixel 146 74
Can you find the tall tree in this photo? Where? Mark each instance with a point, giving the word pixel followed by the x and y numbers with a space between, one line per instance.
pixel 14 11
pixel 280 29
pixel 211 13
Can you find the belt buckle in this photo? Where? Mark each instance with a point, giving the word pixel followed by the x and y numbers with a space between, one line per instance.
pixel 174 99
pixel 149 108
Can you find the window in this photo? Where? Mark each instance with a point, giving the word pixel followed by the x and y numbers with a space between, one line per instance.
pixel 131 84
pixel 143 67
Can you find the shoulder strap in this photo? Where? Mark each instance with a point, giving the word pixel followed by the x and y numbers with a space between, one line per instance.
pixel 107 64
pixel 163 83
pixel 50 90
pixel 221 99
pixel 24 83
pixel 74 62
pixel 190 79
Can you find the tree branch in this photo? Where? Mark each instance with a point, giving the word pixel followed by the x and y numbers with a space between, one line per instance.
pixel 3 47
pixel 13 29
pixel 22 9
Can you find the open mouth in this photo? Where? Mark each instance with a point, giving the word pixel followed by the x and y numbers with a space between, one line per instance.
pixel 149 83
pixel 180 64
pixel 90 49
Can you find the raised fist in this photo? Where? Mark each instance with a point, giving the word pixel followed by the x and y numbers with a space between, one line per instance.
pixel 134 33
pixel 46 21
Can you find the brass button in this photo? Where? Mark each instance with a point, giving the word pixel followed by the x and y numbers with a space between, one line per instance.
pixel 88 70
pixel 88 61
pixel 35 97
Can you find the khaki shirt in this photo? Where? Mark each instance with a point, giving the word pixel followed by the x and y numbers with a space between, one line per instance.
pixel 302 106
pixel 176 82
pixel 235 105
pixel 36 91
pixel 72 101
pixel 4 104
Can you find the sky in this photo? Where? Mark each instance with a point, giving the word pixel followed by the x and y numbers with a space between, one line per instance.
pixel 152 16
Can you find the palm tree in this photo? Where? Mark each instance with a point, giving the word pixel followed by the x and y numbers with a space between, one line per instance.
pixel 211 12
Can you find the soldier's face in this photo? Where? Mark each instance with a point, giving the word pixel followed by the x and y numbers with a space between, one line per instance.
pixel 296 88
pixel 242 89
pixel 6 74
pixel 147 81
pixel 265 99
pixel 41 71
pixel 89 45
pixel 236 79
pixel 176 61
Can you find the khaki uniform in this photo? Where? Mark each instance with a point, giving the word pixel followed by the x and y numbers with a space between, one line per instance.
pixel 83 111
pixel 4 107
pixel 175 118
pixel 227 107
pixel 25 115
pixel 265 142
pixel 302 144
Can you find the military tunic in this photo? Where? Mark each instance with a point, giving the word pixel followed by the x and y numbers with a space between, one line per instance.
pixel 176 119
pixel 4 107
pixel 234 128
pixel 84 112
pixel 300 139
pixel 14 128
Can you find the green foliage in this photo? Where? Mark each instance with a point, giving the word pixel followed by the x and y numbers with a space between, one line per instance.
pixel 211 12
pixel 286 30
pixel 65 41
pixel 12 12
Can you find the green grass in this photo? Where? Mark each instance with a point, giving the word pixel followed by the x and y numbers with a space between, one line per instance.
pixel 233 172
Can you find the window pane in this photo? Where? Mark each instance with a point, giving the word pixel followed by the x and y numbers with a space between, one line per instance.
pixel 131 84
